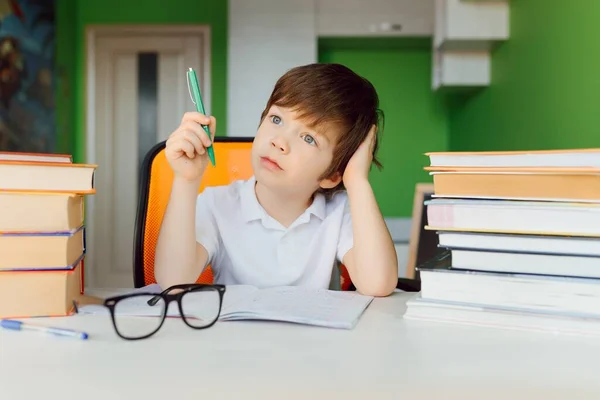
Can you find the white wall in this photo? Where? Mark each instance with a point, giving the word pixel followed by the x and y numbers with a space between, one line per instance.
pixel 266 38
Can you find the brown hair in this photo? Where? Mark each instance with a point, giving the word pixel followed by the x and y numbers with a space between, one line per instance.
pixel 331 94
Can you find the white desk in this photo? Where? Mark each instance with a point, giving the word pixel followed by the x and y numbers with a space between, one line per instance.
pixel 384 357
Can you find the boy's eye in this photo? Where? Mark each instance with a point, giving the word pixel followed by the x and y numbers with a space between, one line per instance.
pixel 275 119
pixel 309 139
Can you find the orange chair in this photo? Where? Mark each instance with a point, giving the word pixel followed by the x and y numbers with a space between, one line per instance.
pixel 156 177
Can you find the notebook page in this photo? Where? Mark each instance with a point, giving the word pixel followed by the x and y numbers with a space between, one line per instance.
pixel 136 306
pixel 319 307
pixel 303 305
pixel 236 295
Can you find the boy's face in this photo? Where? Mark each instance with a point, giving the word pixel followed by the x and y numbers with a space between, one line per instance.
pixel 289 155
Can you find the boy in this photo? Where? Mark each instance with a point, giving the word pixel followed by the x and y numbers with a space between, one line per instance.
pixel 308 204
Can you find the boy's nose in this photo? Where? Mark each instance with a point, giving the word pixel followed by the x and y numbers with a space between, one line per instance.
pixel 280 143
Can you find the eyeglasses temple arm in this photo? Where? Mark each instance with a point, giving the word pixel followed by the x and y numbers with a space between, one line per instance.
pixel 154 299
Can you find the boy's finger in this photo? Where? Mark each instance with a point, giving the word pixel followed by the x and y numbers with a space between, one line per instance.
pixel 203 136
pixel 187 147
pixel 372 142
pixel 213 128
pixel 371 136
pixel 199 131
pixel 195 140
pixel 373 131
pixel 195 117
pixel 206 140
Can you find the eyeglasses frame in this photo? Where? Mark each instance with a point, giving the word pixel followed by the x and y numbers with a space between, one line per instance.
pixel 111 302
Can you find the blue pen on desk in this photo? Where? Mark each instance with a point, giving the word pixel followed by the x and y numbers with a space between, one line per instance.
pixel 20 326
pixel 194 89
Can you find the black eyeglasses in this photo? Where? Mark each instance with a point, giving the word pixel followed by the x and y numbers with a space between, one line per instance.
pixel 199 307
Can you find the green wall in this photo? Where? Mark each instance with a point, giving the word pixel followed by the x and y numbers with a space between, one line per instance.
pixel 545 90
pixel 416 120
pixel 65 72
pixel 74 15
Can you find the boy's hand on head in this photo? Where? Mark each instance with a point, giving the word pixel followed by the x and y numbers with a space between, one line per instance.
pixel 186 147
pixel 360 163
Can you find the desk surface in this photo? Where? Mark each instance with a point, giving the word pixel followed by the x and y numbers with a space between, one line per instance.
pixel 383 357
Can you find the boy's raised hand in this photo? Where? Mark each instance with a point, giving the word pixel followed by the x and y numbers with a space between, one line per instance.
pixel 186 147
pixel 360 163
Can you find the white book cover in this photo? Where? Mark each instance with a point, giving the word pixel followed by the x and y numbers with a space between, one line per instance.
pixel 473 314
pixel 524 217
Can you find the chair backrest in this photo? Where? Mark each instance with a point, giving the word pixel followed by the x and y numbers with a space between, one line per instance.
pixel 156 177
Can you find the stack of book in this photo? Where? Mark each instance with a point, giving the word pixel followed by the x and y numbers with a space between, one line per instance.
pixel 42 233
pixel 522 234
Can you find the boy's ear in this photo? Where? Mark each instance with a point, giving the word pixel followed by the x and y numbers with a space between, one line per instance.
pixel 331 182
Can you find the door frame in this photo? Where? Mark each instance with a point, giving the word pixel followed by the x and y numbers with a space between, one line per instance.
pixel 92 34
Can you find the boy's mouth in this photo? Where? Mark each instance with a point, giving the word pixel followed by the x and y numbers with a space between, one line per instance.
pixel 270 163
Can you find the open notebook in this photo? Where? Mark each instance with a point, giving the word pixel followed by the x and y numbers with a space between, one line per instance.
pixel 319 307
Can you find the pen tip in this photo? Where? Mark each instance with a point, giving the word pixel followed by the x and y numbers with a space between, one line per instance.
pixel 190 69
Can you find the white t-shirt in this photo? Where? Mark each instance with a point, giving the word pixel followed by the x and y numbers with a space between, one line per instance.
pixel 246 246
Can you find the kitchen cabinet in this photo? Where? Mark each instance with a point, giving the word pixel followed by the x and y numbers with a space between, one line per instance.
pixel 364 18
pixel 466 32
pixel 454 68
pixel 470 25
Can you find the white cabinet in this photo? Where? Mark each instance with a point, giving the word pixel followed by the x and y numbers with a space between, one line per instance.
pixel 374 18
pixel 266 38
pixel 470 25
pixel 465 34
pixel 455 68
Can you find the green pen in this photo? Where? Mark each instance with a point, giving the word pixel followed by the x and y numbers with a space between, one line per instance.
pixel 197 100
